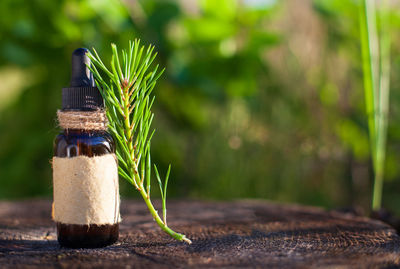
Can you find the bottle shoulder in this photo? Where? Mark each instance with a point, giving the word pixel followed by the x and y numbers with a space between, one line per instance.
pixel 88 143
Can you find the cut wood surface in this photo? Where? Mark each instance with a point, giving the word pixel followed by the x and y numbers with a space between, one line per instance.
pixel 225 234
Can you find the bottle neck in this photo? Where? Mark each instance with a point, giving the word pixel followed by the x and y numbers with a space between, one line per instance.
pixel 82 131
pixel 82 121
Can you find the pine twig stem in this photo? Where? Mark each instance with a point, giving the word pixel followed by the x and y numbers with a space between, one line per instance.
pixel 162 224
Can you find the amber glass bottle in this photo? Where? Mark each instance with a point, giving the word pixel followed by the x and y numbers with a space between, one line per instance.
pixel 72 143
pixel 82 95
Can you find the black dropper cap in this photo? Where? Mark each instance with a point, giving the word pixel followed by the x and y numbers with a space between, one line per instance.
pixel 82 93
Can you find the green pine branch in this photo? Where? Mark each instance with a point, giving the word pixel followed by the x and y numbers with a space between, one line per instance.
pixel 126 86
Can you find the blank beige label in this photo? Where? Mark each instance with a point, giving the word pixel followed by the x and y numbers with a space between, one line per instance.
pixel 86 190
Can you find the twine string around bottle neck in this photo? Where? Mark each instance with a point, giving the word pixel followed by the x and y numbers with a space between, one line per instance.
pixel 83 120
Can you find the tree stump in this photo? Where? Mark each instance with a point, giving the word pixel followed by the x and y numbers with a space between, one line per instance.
pixel 224 234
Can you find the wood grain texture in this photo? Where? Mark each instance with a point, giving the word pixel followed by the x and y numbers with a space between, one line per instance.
pixel 241 234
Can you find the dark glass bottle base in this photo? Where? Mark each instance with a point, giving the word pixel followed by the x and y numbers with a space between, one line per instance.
pixel 87 236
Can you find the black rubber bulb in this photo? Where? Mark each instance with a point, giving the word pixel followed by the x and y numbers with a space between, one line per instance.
pixel 82 94
pixel 81 75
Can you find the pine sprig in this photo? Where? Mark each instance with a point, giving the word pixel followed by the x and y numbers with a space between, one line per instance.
pixel 126 86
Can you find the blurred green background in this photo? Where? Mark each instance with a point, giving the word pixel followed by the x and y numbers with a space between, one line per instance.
pixel 260 99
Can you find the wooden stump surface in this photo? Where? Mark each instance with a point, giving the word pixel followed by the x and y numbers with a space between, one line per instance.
pixel 255 234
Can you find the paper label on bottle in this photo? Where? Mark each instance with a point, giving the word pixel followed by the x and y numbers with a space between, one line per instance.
pixel 86 190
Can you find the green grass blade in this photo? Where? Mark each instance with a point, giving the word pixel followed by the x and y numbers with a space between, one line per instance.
pixel 376 68
pixel 369 92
